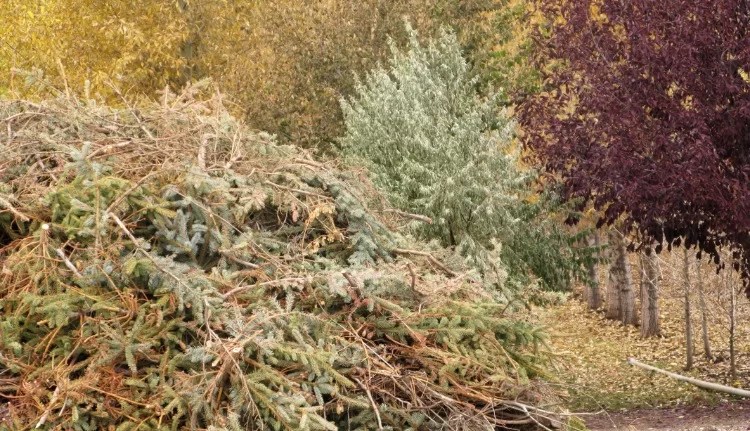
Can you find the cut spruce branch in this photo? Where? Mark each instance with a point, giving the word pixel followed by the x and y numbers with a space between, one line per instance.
pixel 700 383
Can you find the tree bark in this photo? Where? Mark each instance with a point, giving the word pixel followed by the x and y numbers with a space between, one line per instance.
pixel 688 323
pixel 704 316
pixel 732 319
pixel 650 324
pixel 190 48
pixel 620 295
pixel 613 277
pixel 593 292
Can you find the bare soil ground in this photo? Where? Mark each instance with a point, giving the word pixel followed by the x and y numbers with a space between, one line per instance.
pixel 729 416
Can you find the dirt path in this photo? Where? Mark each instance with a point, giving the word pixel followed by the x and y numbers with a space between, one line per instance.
pixel 733 416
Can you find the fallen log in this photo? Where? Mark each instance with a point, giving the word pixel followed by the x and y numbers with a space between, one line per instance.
pixel 700 383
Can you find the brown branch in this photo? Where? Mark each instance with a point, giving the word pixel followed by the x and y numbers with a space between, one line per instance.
pixel 429 257
pixel 372 402
pixel 419 217
pixel 309 163
pixel 356 299
pixel 67 262
pixel 244 287
pixel 290 189
pixel 236 259
pixel 351 280
pixel 413 277
pixel 4 203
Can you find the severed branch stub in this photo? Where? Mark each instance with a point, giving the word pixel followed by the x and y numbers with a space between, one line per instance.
pixel 699 383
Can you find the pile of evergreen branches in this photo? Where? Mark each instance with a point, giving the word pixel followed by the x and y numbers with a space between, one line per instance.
pixel 169 269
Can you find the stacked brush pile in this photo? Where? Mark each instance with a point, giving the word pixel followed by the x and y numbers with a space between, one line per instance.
pixel 169 269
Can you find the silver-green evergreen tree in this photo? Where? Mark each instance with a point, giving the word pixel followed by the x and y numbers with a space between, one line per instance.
pixel 440 150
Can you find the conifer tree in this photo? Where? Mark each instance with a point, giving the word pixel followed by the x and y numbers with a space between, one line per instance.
pixel 440 150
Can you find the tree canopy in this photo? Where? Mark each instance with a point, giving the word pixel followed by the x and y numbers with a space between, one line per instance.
pixel 646 114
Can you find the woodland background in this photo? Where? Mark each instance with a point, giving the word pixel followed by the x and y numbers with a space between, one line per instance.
pixel 496 201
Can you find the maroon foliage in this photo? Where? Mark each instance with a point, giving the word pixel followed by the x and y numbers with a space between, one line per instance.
pixel 647 114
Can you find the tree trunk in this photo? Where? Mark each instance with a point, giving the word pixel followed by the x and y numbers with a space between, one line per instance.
pixel 593 292
pixel 620 295
pixel 613 277
pixel 650 325
pixel 688 325
pixel 190 48
pixel 704 316
pixel 732 318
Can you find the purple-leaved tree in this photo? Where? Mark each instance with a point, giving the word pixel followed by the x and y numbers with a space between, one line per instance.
pixel 646 115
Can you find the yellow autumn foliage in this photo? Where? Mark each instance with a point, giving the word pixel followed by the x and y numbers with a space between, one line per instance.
pixel 283 63
pixel 287 63
pixel 137 49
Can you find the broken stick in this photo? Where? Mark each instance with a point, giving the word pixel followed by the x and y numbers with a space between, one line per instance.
pixel 700 383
